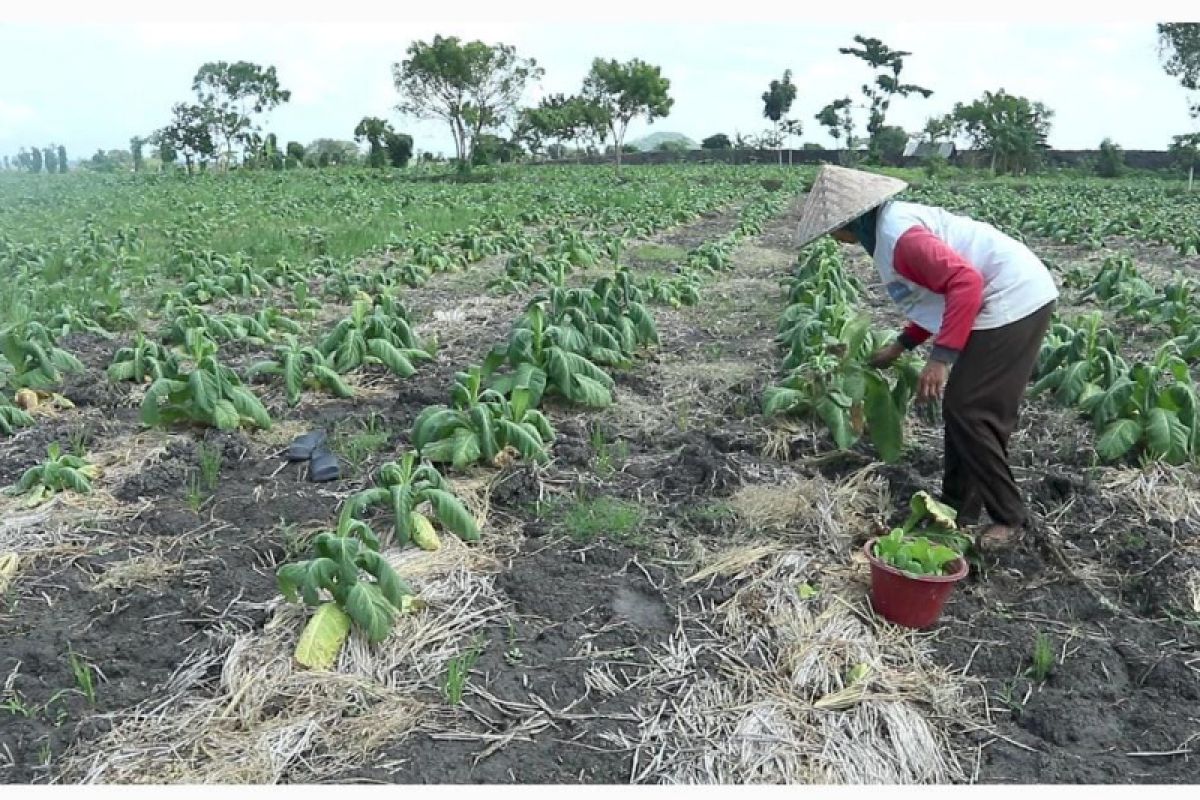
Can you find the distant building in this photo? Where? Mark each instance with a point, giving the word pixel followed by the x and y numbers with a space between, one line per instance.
pixel 917 148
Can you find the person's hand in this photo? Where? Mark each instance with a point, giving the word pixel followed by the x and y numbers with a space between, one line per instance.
pixel 886 356
pixel 932 382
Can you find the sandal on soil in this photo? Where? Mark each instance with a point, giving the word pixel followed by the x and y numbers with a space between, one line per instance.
pixel 303 447
pixel 324 466
pixel 995 538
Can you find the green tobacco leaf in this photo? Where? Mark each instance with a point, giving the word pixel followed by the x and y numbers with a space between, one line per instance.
pixel 391 356
pixel 453 514
pixel 224 416
pixel 465 448
pixel 1118 438
pixel 885 425
pixel 370 610
pixel 331 381
pixel 433 424
pixel 394 589
pixel 203 388
pixel 525 438
pixel 248 405
pixel 837 419
pixel 481 421
pixel 403 501
pixel 590 392
pixel 780 400
pixel 1158 432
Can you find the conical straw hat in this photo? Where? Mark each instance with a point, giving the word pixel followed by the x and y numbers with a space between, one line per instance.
pixel 838 196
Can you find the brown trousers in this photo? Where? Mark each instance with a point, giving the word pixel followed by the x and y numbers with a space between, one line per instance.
pixel 980 408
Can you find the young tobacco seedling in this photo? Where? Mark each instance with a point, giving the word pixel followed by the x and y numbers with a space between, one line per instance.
pixel 59 473
pixel 457 671
pixel 918 551
pixel 406 487
pixel 84 679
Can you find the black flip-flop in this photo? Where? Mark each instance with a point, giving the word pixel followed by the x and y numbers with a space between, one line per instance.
pixel 303 447
pixel 324 466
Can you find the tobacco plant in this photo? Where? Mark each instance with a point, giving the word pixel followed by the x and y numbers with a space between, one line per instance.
pixel 1077 362
pixel 301 367
pixel 30 359
pixel 1150 410
pixel 850 397
pixel 143 361
pixel 541 354
pixel 207 394
pixel 375 334
pixel 60 472
pixel 347 579
pixel 480 424
pixel 406 488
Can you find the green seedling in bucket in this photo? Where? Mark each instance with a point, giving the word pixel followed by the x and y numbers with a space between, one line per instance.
pixel 927 542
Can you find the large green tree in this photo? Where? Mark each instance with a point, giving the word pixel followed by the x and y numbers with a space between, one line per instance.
pixel 718 141
pixel 136 144
pixel 234 95
pixel 471 86
pixel 332 152
pixel 622 92
pixel 777 102
pixel 1179 48
pixel 35 160
pixel 1013 129
pixel 189 133
pixel 887 64
pixel 372 130
pixel 399 148
pixel 295 154
pixel 50 159
pixel 838 119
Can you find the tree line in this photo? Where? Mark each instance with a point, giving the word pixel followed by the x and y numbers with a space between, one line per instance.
pixel 475 89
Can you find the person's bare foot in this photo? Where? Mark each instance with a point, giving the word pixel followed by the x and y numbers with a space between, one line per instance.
pixel 997 537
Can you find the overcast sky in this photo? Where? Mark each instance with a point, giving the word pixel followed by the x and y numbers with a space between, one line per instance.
pixel 95 85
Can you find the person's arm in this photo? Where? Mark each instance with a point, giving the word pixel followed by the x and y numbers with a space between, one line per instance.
pixel 912 336
pixel 927 261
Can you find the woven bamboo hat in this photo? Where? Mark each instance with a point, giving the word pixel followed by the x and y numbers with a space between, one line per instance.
pixel 838 196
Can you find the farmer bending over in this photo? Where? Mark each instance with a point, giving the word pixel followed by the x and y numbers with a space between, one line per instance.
pixel 985 297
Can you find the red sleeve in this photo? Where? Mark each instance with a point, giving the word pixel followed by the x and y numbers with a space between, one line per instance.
pixel 926 260
pixel 913 335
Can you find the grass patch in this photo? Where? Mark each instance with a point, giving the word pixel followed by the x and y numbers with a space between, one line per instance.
pixel 621 521
pixel 457 671
pixel 355 447
pixel 714 512
pixel 658 252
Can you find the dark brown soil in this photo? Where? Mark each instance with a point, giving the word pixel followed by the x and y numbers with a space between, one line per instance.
pixel 567 611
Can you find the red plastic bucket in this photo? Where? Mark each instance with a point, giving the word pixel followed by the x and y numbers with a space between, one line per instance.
pixel 909 600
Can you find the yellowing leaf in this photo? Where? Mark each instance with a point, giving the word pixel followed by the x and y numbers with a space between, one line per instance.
pixel 323 637
pixel 423 534
pixel 8 570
